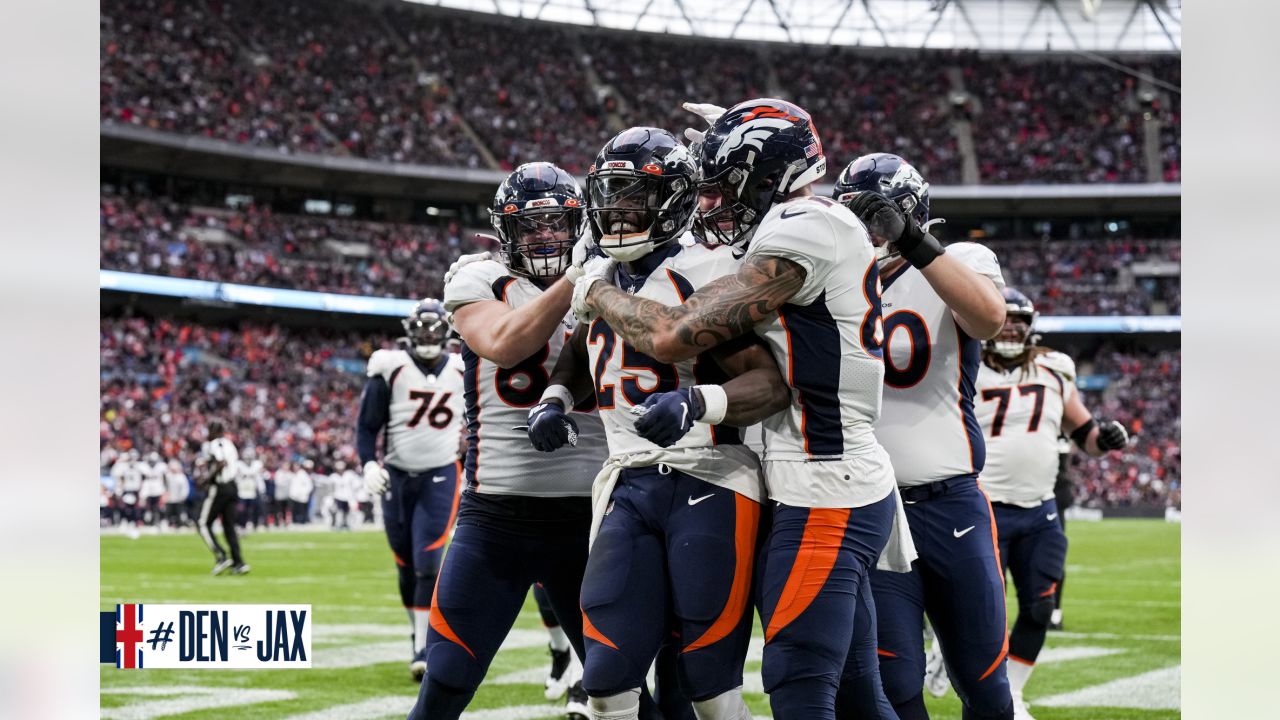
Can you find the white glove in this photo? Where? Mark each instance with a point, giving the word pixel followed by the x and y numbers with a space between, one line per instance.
pixel 466 260
pixel 581 253
pixel 597 268
pixel 706 111
pixel 376 478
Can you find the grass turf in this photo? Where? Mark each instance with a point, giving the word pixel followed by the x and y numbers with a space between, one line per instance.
pixel 1122 594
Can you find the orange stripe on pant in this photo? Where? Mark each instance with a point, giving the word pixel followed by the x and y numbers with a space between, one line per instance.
pixel 439 624
pixel 746 523
pixel 995 546
pixel 453 512
pixel 819 546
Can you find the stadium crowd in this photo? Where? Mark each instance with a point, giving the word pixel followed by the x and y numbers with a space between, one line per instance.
pixel 402 83
pixel 258 247
pixel 290 397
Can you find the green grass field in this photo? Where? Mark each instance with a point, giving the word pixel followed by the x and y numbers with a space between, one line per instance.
pixel 1119 657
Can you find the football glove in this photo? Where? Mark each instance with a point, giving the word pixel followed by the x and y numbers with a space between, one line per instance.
pixel 1111 435
pixel 597 268
pixel 887 221
pixel 551 428
pixel 583 250
pixel 667 417
pixel 376 478
pixel 707 112
pixel 467 260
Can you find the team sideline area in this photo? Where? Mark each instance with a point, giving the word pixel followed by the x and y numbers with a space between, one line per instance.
pixel 1117 659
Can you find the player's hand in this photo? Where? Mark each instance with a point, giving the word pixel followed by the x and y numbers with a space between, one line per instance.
pixel 595 269
pixel 888 222
pixel 706 111
pixel 1111 435
pixel 376 478
pixel 667 417
pixel 551 428
pixel 467 260
pixel 583 250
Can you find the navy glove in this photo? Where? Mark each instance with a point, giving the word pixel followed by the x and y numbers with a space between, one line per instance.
pixel 887 220
pixel 1111 435
pixel 667 417
pixel 550 428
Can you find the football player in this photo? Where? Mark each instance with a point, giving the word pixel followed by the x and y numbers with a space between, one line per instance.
pixel 1026 398
pixel 806 286
pixel 222 463
pixel 414 395
pixel 249 485
pixel 177 490
pixel 939 305
pixel 524 516
pixel 678 539
pixel 152 487
pixel 127 473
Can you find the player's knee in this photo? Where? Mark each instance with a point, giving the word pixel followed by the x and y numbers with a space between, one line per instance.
pixel 451 665
pixel 727 705
pixel 996 704
pixel 607 672
pixel 624 705
pixel 1039 611
pixel 902 680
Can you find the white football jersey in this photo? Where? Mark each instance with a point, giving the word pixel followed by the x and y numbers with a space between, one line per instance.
pixel 928 424
pixel 282 478
pixel 1021 418
pixel 248 479
pixel 821 452
pixel 341 490
pixel 128 477
pixel 500 459
pixel 225 452
pixel 624 377
pixel 355 486
pixel 177 486
pixel 153 479
pixel 426 410
pixel 300 486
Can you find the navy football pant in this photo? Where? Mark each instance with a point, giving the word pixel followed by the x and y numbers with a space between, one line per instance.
pixel 861 695
pixel 483 583
pixel 674 553
pixel 814 564
pixel 1034 550
pixel 958 581
pixel 417 511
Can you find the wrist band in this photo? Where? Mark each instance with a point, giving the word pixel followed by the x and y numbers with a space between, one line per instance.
pixel 558 392
pixel 1081 434
pixel 715 403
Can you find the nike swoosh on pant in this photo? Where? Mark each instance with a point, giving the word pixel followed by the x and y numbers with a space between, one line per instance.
pixel 693 501
pixel 961 533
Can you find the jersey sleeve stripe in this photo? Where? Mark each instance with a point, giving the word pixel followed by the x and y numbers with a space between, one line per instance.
pixel 813 338
pixel 970 360
pixel 683 287
pixel 500 286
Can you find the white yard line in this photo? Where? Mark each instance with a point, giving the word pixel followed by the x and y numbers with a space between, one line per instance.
pixel 1155 690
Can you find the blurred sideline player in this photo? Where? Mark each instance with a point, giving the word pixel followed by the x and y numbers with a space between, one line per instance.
pixel 152 487
pixel 177 490
pixel 524 516
pixel 127 474
pixel 1027 398
pixel 802 288
pixel 676 546
pixel 939 305
pixel 1064 493
pixel 221 468
pixel 249 486
pixel 414 395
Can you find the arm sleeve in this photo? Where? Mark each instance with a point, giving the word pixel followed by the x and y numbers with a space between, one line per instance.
pixel 980 259
pixel 375 408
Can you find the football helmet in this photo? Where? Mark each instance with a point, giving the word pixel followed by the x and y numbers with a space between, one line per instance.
pixel 426 330
pixel 888 175
pixel 754 155
pixel 538 215
pixel 1019 323
pixel 641 192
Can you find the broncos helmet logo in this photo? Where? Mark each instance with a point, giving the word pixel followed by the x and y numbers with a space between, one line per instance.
pixel 752 133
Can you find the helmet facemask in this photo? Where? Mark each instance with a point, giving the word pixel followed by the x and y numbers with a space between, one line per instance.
pixel 426 334
pixel 737 214
pixel 539 243
pixel 629 216
pixel 1016 335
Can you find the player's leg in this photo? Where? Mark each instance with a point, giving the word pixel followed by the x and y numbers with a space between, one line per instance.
pixel 397 513
pixel 1036 564
pixel 204 526
pixel 482 584
pixel 861 695
pixel 624 599
pixel 228 515
pixel 899 605
pixel 810 573
pixel 555 684
pixel 711 550
pixel 562 562
pixel 965 599
pixel 432 503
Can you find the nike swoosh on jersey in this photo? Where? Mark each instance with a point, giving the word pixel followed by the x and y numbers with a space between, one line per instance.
pixel 1051 517
pixel 693 501
pixel 961 533
pixel 793 212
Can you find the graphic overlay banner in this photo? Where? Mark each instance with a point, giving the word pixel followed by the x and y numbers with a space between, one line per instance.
pixel 240 637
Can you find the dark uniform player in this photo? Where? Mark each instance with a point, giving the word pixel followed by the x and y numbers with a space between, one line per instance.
pixel 1064 494
pixel 675 550
pixel 1026 398
pixel 524 516
pixel 221 468
pixel 938 307
pixel 802 288
pixel 414 394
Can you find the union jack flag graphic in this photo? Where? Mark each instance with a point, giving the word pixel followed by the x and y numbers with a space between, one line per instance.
pixel 129 636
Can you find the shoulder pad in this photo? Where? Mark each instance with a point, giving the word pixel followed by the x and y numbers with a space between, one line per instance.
pixel 383 361
pixel 473 283
pixel 1059 363
pixel 980 258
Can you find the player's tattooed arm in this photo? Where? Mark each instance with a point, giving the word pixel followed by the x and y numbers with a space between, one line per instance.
pixel 756 389
pixel 573 367
pixel 723 309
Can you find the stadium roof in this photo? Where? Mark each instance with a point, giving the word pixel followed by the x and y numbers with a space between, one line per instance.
pixel 1010 25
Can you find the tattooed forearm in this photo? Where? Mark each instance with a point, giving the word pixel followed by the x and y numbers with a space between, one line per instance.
pixel 724 309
